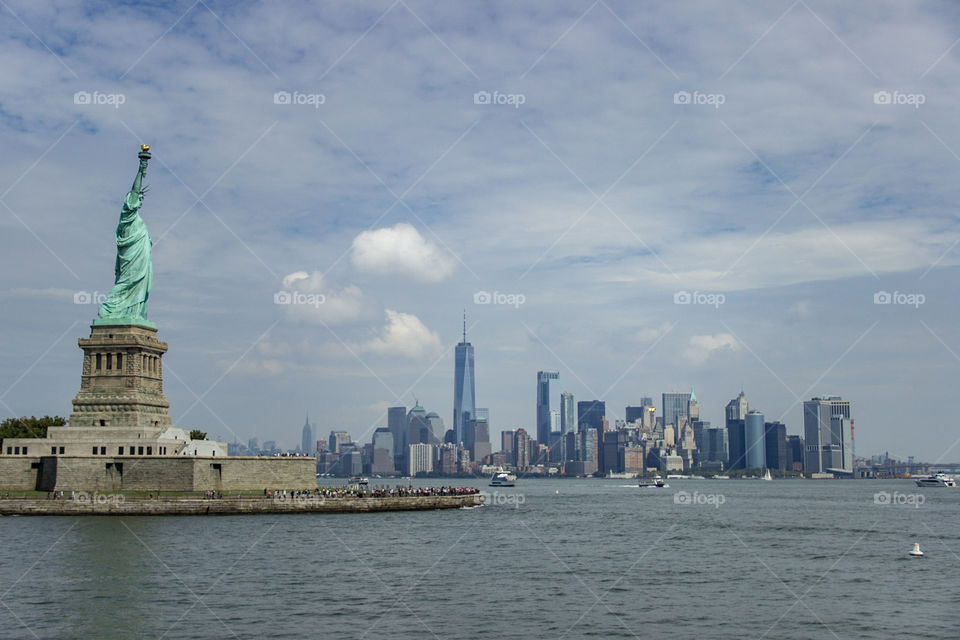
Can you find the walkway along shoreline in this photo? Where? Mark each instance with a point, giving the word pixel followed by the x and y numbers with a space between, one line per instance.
pixel 116 505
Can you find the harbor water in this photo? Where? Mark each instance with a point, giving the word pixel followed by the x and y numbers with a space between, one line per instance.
pixel 545 559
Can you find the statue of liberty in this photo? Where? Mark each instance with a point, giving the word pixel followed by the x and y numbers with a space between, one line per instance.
pixel 133 274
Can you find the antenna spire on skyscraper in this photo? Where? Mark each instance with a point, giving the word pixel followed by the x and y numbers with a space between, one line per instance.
pixel 464 324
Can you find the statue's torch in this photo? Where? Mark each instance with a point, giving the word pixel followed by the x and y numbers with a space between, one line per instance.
pixel 144 156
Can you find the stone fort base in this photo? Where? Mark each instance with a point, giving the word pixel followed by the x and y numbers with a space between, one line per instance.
pixel 127 473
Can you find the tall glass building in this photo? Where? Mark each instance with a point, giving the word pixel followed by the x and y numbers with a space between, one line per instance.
pixel 543 405
pixel 756 449
pixel 397 423
pixel 674 405
pixel 568 417
pixel 464 390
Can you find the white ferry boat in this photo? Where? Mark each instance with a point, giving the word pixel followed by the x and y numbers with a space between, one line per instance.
pixel 938 479
pixel 656 482
pixel 503 479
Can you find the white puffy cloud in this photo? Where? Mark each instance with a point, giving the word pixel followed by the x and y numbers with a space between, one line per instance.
pixel 404 335
pixel 306 297
pixel 401 249
pixel 701 347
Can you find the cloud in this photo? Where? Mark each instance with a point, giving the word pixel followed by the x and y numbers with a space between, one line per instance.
pixel 309 299
pixel 404 335
pixel 701 347
pixel 401 250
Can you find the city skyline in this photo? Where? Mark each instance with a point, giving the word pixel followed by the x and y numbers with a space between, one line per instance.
pixel 701 212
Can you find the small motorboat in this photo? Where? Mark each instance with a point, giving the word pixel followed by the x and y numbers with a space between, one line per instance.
pixel 656 482
pixel 915 552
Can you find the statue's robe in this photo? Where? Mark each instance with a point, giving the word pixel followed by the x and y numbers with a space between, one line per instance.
pixel 127 300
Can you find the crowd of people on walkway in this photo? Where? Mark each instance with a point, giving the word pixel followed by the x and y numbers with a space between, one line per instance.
pixel 375 492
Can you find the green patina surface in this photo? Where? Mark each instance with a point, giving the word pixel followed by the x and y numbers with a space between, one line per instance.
pixel 133 273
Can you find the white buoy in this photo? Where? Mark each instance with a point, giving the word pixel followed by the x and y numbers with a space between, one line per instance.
pixel 915 552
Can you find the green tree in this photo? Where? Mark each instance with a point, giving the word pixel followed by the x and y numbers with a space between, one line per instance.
pixel 32 427
pixel 196 434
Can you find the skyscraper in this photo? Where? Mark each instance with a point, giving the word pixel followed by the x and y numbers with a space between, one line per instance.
pixel 521 448
pixel 819 454
pixel 736 444
pixel 543 405
pixel 383 461
pixel 756 450
pixel 464 390
pixel 479 431
pixel 674 405
pixel 693 407
pixel 307 443
pixel 337 440
pixel 842 429
pixel 737 408
pixel 715 445
pixel 590 415
pixel 418 428
pixel 397 423
pixel 775 439
pixel 828 439
pixel 568 419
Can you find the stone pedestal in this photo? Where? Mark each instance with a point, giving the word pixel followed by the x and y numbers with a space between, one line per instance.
pixel 122 380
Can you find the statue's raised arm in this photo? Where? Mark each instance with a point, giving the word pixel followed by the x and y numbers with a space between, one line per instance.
pixel 133 275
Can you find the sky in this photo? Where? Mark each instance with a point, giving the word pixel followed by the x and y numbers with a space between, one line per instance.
pixel 643 197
